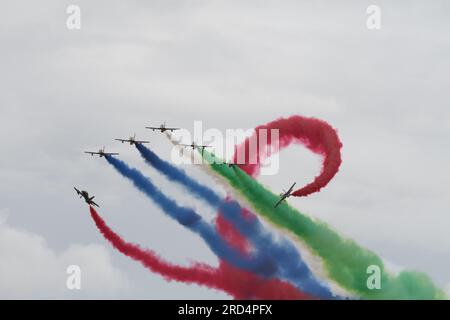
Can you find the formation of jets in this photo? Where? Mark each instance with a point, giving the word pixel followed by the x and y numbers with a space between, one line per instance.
pixel 285 194
pixel 85 195
pixel 163 128
pixel 131 140
pixel 102 153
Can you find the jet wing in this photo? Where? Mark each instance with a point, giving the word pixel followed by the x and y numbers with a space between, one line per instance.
pixel 154 128
pixel 291 188
pixel 94 204
pixel 280 201
pixel 141 141
pixel 110 153
pixel 91 152
pixel 171 129
pixel 78 191
pixel 123 140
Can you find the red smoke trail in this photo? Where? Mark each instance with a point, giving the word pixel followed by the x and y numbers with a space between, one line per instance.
pixel 239 284
pixel 231 235
pixel 317 135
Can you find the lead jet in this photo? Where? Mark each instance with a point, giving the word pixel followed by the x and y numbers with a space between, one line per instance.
pixel 162 128
pixel 85 195
pixel 101 153
pixel 285 195
pixel 132 140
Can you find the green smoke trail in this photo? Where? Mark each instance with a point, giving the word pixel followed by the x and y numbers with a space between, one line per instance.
pixel 344 260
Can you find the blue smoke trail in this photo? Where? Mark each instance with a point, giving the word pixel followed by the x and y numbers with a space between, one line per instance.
pixel 178 175
pixel 191 220
pixel 291 265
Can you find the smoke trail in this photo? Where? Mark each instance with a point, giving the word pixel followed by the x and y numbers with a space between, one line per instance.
pixel 178 175
pixel 317 135
pixel 344 260
pixel 314 261
pixel 232 236
pixel 191 220
pixel 290 262
pixel 237 283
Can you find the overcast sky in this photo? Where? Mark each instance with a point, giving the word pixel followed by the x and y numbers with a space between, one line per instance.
pixel 231 64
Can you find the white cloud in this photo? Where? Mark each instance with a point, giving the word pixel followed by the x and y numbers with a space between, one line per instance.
pixel 29 268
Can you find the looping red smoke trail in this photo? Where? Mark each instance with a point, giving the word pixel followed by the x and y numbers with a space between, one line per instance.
pixel 316 135
pixel 238 283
